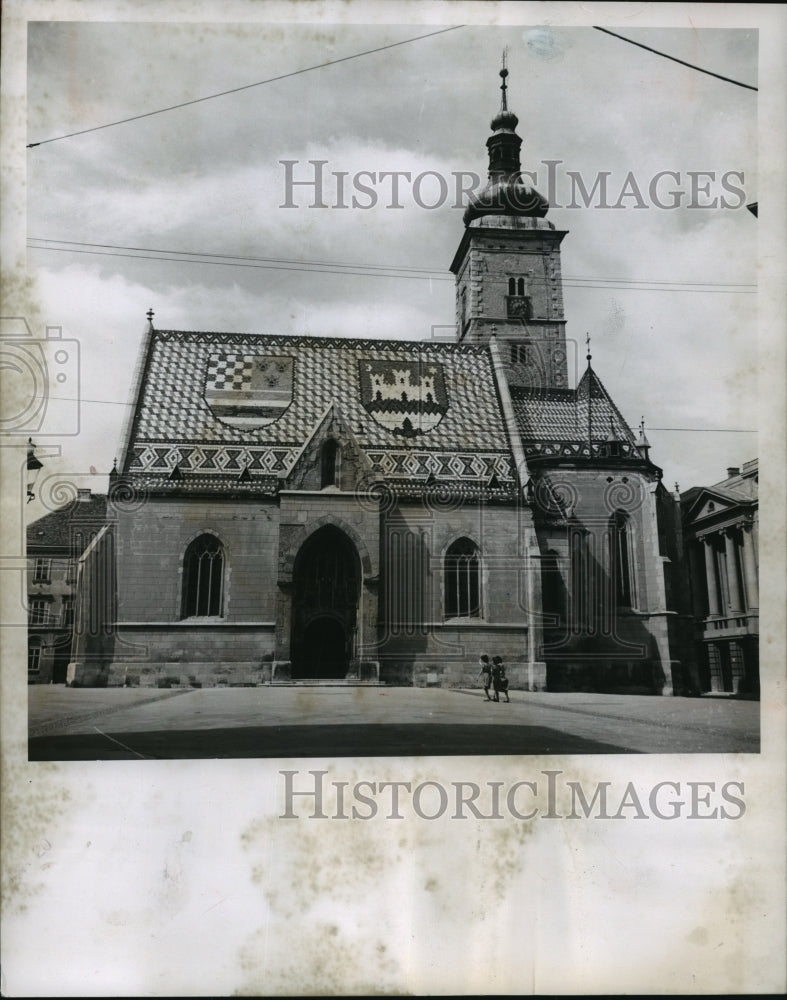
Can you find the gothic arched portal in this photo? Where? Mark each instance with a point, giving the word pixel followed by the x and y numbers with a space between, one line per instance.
pixel 326 589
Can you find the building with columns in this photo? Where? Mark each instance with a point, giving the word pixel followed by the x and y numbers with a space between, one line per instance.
pixel 721 535
pixel 295 508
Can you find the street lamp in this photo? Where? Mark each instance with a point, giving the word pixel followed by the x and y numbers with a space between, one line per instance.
pixel 33 468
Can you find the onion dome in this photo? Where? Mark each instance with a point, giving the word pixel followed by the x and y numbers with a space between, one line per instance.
pixel 506 192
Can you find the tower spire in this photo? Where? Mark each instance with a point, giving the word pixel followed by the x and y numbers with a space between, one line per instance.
pixel 504 85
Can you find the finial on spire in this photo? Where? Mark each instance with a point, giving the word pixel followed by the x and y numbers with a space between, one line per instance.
pixel 642 443
pixel 504 85
pixel 589 355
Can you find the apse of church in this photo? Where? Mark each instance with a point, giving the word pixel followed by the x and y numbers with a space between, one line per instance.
pixel 370 511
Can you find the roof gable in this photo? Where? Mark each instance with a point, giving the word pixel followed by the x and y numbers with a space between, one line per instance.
pixel 306 472
pixel 710 503
pixel 571 422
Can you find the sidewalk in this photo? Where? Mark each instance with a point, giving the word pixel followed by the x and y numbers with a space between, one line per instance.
pixel 89 724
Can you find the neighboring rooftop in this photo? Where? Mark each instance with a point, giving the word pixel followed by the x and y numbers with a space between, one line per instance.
pixel 55 530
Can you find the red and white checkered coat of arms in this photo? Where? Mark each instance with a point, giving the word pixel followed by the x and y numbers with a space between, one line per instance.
pixel 249 390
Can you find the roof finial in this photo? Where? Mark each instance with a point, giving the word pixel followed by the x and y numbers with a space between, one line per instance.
pixel 504 85
pixel 150 315
pixel 589 355
pixel 642 443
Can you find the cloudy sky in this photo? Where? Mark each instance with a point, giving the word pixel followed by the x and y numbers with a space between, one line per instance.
pixel 667 295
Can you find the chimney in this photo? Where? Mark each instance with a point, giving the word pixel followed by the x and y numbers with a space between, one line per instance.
pixel 733 470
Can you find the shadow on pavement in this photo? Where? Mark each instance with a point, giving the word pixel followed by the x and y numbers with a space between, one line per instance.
pixel 405 740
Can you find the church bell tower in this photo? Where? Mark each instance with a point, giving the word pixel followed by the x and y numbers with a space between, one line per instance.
pixel 507 267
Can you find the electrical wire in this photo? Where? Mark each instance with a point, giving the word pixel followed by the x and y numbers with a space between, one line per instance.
pixel 369 270
pixel 247 86
pixel 682 62
pixel 685 430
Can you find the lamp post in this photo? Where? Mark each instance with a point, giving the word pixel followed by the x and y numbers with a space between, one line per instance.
pixel 33 468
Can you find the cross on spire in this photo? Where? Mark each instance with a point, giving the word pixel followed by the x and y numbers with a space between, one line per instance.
pixel 504 85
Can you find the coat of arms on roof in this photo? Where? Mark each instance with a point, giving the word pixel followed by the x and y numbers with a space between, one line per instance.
pixel 249 390
pixel 406 397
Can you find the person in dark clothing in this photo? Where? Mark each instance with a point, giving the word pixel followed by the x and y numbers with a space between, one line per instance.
pixel 499 679
pixel 486 674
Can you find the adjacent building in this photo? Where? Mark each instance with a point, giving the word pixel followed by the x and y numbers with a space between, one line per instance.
pixel 55 544
pixel 721 525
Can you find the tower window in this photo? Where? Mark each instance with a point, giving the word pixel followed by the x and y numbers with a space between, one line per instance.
pixel 521 354
pixel 203 578
pixel 463 580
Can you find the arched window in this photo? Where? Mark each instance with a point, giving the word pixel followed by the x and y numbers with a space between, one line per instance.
pixel 203 578
pixel 621 562
pixel 512 286
pixel 463 580
pixel 33 655
pixel 520 286
pixel 329 463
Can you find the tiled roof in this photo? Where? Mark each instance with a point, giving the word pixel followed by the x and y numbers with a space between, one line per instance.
pixel 216 402
pixel 551 420
pixel 56 530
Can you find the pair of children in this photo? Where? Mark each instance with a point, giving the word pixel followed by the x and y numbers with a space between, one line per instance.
pixel 494 676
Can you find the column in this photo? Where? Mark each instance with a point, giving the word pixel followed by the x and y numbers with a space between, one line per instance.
pixel 750 569
pixel 710 578
pixel 733 587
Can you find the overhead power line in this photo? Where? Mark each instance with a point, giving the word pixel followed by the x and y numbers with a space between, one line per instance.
pixel 247 86
pixel 365 270
pixel 682 62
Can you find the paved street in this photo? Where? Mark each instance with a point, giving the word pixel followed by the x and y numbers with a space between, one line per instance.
pixel 308 721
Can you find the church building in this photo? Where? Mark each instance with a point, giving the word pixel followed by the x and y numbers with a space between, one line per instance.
pixel 290 509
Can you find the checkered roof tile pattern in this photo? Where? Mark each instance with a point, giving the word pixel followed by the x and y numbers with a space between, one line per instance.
pixel 562 415
pixel 172 406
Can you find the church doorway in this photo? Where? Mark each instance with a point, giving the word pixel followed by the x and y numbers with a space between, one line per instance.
pixel 324 652
pixel 326 579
